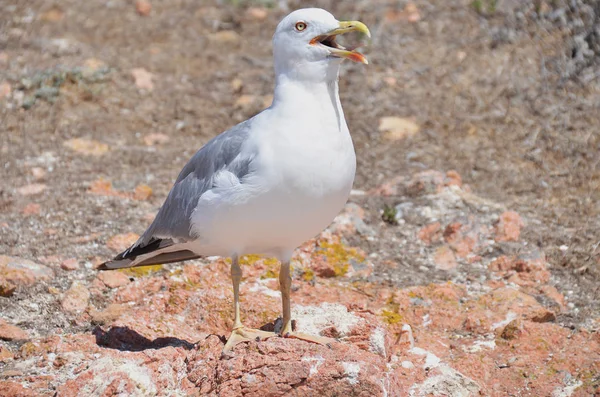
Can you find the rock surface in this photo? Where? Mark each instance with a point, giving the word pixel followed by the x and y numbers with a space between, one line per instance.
pixel 161 330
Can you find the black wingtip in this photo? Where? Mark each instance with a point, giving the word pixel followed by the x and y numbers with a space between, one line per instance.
pixel 116 264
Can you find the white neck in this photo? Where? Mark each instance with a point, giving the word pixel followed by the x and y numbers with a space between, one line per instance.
pixel 313 94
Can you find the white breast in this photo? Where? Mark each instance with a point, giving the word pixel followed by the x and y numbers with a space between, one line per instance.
pixel 301 176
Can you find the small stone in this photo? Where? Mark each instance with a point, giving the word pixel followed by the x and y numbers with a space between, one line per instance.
pixel 70 264
pixel 237 84
pixel 406 339
pixel 143 7
pixel 75 299
pixel 19 271
pixel 31 209
pixel 32 189
pixel 52 15
pixel 412 12
pixel 396 128
pixel 102 187
pixel 226 37
pixel 390 81
pixel 542 316
pixel 5 354
pixel 552 293
pixel 113 279
pixel 50 260
pixel 88 147
pixel 108 315
pixel 93 64
pixel 512 330
pixel 53 290
pixel 258 13
pixel 121 242
pixel 143 79
pixel 156 139
pixel 444 258
pixel 7 289
pixel 430 233
pixel 453 178
pixel 38 173
pixel 509 227
pixel 245 100
pixel 142 192
pixel 11 373
pixel 12 332
pixel 5 89
pixel 475 324
pixel 85 239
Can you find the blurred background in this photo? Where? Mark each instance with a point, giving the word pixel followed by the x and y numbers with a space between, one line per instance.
pixel 114 96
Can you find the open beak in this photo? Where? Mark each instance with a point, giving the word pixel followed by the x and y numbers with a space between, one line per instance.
pixel 327 41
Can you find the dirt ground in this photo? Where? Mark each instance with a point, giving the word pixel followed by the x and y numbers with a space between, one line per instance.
pixel 506 93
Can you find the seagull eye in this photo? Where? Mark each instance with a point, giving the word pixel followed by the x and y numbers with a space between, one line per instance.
pixel 300 26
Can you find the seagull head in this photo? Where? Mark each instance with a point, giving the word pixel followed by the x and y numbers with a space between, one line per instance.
pixel 304 44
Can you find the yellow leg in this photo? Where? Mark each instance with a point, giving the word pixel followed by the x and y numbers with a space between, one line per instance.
pixel 239 332
pixel 236 278
pixel 285 284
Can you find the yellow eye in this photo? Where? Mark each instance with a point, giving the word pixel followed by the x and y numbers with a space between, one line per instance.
pixel 300 26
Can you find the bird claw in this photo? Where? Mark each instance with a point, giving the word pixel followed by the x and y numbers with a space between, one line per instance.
pixel 244 334
pixel 320 340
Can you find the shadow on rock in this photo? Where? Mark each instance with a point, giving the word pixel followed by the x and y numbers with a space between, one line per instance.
pixel 125 339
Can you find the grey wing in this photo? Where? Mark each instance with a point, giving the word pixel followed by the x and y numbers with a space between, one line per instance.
pixel 172 223
pixel 222 152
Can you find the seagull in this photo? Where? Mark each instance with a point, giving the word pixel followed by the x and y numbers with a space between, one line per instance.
pixel 272 182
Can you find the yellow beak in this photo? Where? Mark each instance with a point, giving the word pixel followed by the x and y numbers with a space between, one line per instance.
pixel 351 26
pixel 327 40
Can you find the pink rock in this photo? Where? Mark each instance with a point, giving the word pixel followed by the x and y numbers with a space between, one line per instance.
pixel 512 330
pixel 113 279
pixel 7 288
pixel 524 272
pixel 121 242
pixel 156 139
pixel 430 233
pixel 542 315
pixel 15 389
pixel 75 299
pixel 406 341
pixel 143 78
pixel 453 178
pixel 31 209
pixel 351 221
pixel 444 258
pixel 23 272
pixel 38 173
pixel 143 7
pixel 279 366
pixel 12 332
pixel 33 189
pixel 5 89
pixel 108 315
pixel 552 293
pixel 509 226
pixel 424 182
pixel 5 354
pixel 70 264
